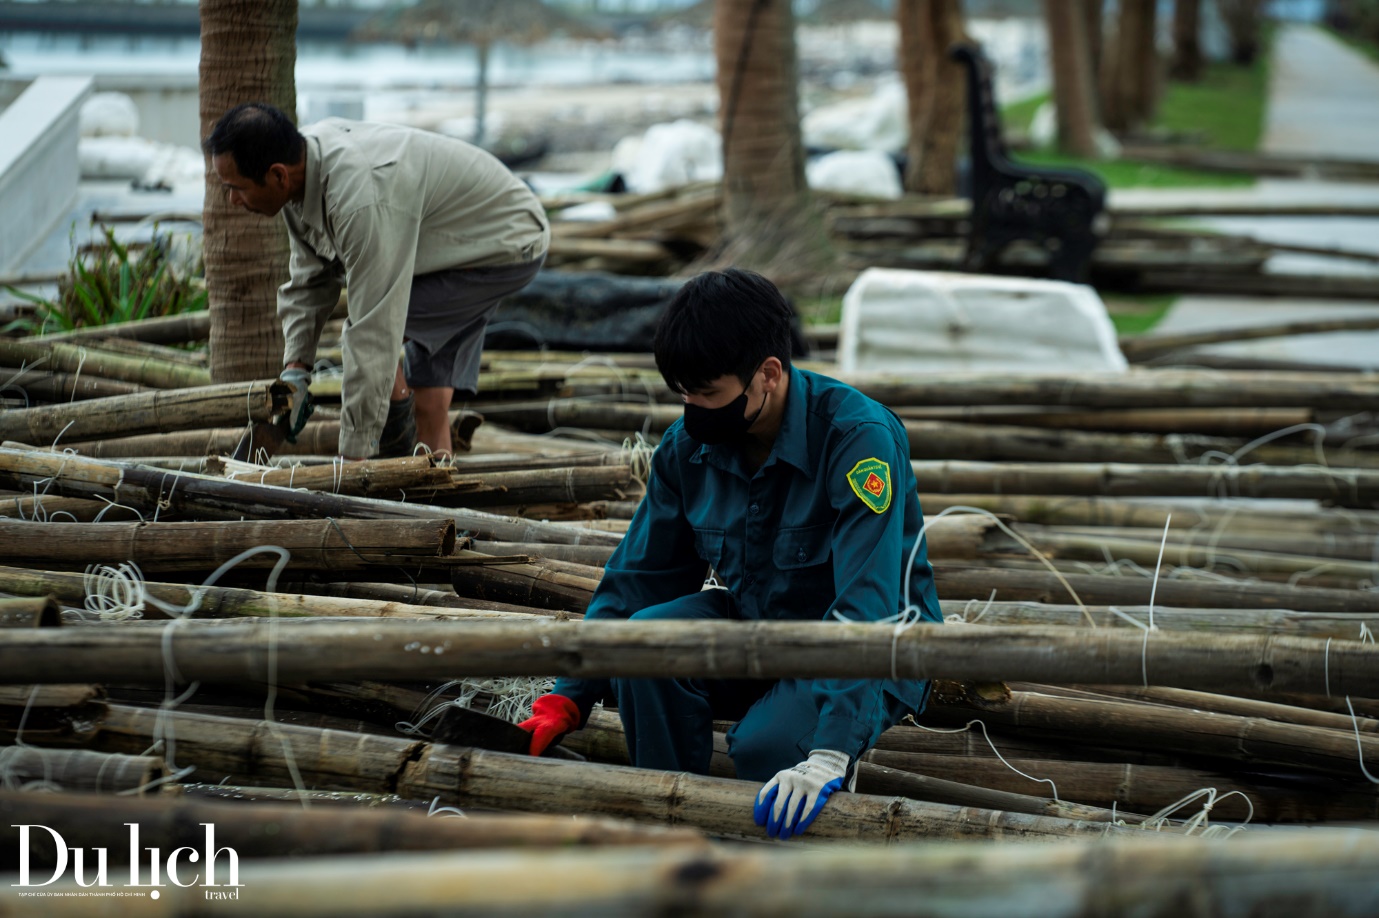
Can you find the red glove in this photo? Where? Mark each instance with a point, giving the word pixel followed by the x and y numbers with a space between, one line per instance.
pixel 552 717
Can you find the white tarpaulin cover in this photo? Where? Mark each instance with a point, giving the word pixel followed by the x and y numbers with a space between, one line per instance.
pixel 866 172
pixel 929 321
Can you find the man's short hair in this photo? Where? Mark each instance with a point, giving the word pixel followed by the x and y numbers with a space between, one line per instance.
pixel 256 135
pixel 722 323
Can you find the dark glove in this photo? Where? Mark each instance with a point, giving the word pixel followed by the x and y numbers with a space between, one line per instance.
pixel 552 717
pixel 399 435
pixel 299 381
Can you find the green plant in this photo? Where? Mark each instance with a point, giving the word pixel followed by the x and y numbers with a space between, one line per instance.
pixel 110 282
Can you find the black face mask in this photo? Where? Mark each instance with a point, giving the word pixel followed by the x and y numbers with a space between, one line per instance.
pixel 712 426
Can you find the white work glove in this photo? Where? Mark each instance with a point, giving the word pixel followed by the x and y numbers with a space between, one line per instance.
pixel 789 802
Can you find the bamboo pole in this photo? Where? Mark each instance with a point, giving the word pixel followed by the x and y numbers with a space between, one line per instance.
pixel 1150 788
pixel 1335 704
pixel 216 442
pixel 937 440
pixel 266 830
pixel 49 715
pixel 1137 389
pixel 147 489
pixel 1127 206
pixel 483 463
pixel 135 347
pixel 178 329
pixel 29 612
pixel 631 251
pixel 1192 515
pixel 357 800
pixel 34 768
pixel 602 739
pixel 973 743
pixel 463 776
pixel 1356 548
pixel 329 544
pixel 147 412
pixel 575 484
pixel 1099 546
pixel 1348 487
pixel 320 438
pixel 46 386
pixel 374 476
pixel 1198 733
pixel 543 416
pixel 411 594
pixel 1220 422
pixel 48 696
pixel 1140 348
pixel 225 602
pixel 1271 621
pixel 539 585
pixel 72 358
pixel 589 555
pixel 1268 874
pixel 53 509
pixel 1242 707
pixel 957 582
pixel 672 649
pixel 469 777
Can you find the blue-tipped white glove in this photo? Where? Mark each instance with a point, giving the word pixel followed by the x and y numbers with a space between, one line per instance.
pixel 789 802
pixel 299 381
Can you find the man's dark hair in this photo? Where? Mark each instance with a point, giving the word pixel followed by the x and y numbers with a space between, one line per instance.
pixel 722 323
pixel 256 135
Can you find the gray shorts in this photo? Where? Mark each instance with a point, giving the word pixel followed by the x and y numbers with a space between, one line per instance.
pixel 446 318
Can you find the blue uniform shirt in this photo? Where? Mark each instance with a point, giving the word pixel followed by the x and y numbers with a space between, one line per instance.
pixel 826 523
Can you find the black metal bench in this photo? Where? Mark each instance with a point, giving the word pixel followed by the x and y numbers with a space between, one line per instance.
pixel 1056 208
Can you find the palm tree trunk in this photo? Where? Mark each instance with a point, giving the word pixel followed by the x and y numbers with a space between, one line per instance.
pixel 1071 54
pixel 1128 91
pixel 928 28
pixel 763 154
pixel 1243 20
pixel 248 53
pixel 1093 10
pixel 917 66
pixel 481 94
pixel 1187 46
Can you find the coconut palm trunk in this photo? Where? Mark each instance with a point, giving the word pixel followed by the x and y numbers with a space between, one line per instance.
pixel 763 153
pixel 481 92
pixel 1187 45
pixel 248 53
pixel 1074 95
pixel 935 86
pixel 1129 91
pixel 1244 19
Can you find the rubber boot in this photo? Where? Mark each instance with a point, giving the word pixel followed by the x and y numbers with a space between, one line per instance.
pixel 399 436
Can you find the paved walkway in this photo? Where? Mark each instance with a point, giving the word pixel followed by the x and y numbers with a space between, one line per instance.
pixel 1323 98
pixel 1323 102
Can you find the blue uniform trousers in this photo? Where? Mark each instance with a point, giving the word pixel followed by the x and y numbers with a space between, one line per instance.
pixel 668 723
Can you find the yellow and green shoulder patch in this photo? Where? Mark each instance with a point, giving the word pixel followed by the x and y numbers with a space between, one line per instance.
pixel 871 481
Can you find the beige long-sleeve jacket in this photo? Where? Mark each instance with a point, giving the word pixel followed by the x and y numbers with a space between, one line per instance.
pixel 382 204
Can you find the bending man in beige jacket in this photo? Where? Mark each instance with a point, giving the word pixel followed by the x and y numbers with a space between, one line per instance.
pixel 427 232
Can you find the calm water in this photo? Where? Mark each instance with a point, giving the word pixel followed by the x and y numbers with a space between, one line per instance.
pixel 338 65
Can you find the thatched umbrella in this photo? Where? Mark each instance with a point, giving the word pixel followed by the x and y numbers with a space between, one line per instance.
pixel 473 22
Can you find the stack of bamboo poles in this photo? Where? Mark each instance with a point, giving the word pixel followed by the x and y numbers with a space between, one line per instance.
pixel 351 601
pixel 1146 247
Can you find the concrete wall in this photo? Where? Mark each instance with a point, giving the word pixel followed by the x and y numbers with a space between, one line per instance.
pixel 38 163
pixel 169 106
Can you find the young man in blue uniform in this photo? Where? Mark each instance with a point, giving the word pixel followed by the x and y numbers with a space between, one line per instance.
pixel 797 491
